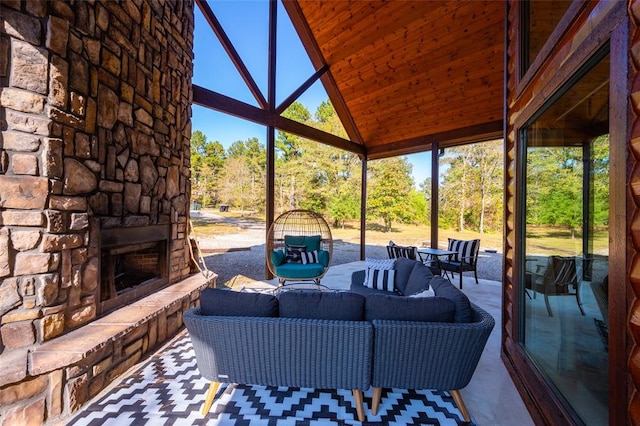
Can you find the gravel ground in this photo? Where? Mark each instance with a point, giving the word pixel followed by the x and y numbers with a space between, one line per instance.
pixel 245 255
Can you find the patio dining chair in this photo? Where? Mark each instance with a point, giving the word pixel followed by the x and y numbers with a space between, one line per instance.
pixel 559 279
pixel 465 258
pixel 395 251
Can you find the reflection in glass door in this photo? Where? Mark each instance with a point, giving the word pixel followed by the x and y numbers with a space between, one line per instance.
pixel 566 243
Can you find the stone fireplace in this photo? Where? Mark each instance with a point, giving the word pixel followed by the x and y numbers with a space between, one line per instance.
pixel 95 106
pixel 133 263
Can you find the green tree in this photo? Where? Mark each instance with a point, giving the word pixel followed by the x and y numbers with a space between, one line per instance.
pixel 309 174
pixel 207 160
pixel 345 206
pixel 471 187
pixel 389 189
pixel 600 181
pixel 554 187
pixel 417 211
pixel 243 183
pixel 425 191
pixel 287 144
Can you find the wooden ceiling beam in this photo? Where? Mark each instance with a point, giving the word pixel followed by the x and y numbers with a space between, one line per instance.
pixel 308 41
pixel 216 101
pixel 472 134
pixel 300 90
pixel 232 52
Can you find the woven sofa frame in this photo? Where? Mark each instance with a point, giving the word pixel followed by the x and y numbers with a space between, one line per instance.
pixel 332 354
pixel 312 353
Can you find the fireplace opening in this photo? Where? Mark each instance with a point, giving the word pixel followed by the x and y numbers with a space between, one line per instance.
pixel 134 264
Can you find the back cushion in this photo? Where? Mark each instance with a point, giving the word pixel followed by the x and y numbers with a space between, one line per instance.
pixel 216 301
pixel 444 288
pixel 311 241
pixel 315 304
pixel 418 280
pixel 399 308
pixel 403 269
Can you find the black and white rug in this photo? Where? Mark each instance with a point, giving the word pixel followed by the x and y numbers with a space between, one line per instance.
pixel 167 389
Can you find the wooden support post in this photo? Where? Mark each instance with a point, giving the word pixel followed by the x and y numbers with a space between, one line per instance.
pixel 435 174
pixel 363 208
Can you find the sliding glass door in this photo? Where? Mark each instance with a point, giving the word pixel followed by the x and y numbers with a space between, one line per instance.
pixel 566 241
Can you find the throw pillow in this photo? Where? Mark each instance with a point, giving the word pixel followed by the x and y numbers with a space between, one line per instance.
pixel 424 293
pixel 294 253
pixel 398 308
pixel 342 305
pixel 419 279
pixel 309 257
pixel 371 263
pixel 381 279
pixel 217 301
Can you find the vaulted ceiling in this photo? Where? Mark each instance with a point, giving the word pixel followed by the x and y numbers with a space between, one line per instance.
pixel 402 75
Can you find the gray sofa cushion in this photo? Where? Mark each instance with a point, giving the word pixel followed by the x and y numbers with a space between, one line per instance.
pixel 398 308
pixel 419 279
pixel 403 268
pixel 444 288
pixel 315 304
pixel 216 301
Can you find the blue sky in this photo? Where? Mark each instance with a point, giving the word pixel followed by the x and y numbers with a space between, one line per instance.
pixel 246 25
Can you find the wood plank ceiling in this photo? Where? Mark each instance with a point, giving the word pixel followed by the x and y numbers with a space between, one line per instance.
pixel 404 74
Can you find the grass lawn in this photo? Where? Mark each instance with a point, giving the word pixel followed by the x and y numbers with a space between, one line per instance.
pixel 540 239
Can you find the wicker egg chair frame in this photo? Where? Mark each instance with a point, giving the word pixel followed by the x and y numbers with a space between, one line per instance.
pixel 303 223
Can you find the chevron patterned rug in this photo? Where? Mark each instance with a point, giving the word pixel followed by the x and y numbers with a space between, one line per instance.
pixel 167 389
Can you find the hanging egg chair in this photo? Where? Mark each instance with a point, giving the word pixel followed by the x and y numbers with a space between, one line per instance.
pixel 299 246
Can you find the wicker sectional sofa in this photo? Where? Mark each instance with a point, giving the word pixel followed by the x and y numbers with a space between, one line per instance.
pixel 340 340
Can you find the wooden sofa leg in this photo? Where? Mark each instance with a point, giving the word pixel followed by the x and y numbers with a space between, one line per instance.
pixel 457 397
pixel 357 396
pixel 375 400
pixel 211 394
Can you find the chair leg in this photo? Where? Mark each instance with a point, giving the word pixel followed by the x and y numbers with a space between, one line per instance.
pixel 460 403
pixel 460 273
pixel 357 396
pixel 546 302
pixel 211 394
pixel 579 301
pixel 475 274
pixel 375 400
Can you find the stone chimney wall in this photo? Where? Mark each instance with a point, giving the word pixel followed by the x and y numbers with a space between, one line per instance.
pixel 95 107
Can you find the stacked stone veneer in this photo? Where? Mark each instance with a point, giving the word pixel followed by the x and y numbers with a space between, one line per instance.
pixel 95 105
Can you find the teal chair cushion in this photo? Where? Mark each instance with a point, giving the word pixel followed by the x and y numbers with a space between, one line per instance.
pixel 278 257
pixel 299 270
pixel 323 258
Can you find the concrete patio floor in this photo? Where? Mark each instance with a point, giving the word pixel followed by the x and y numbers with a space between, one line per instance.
pixel 491 396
